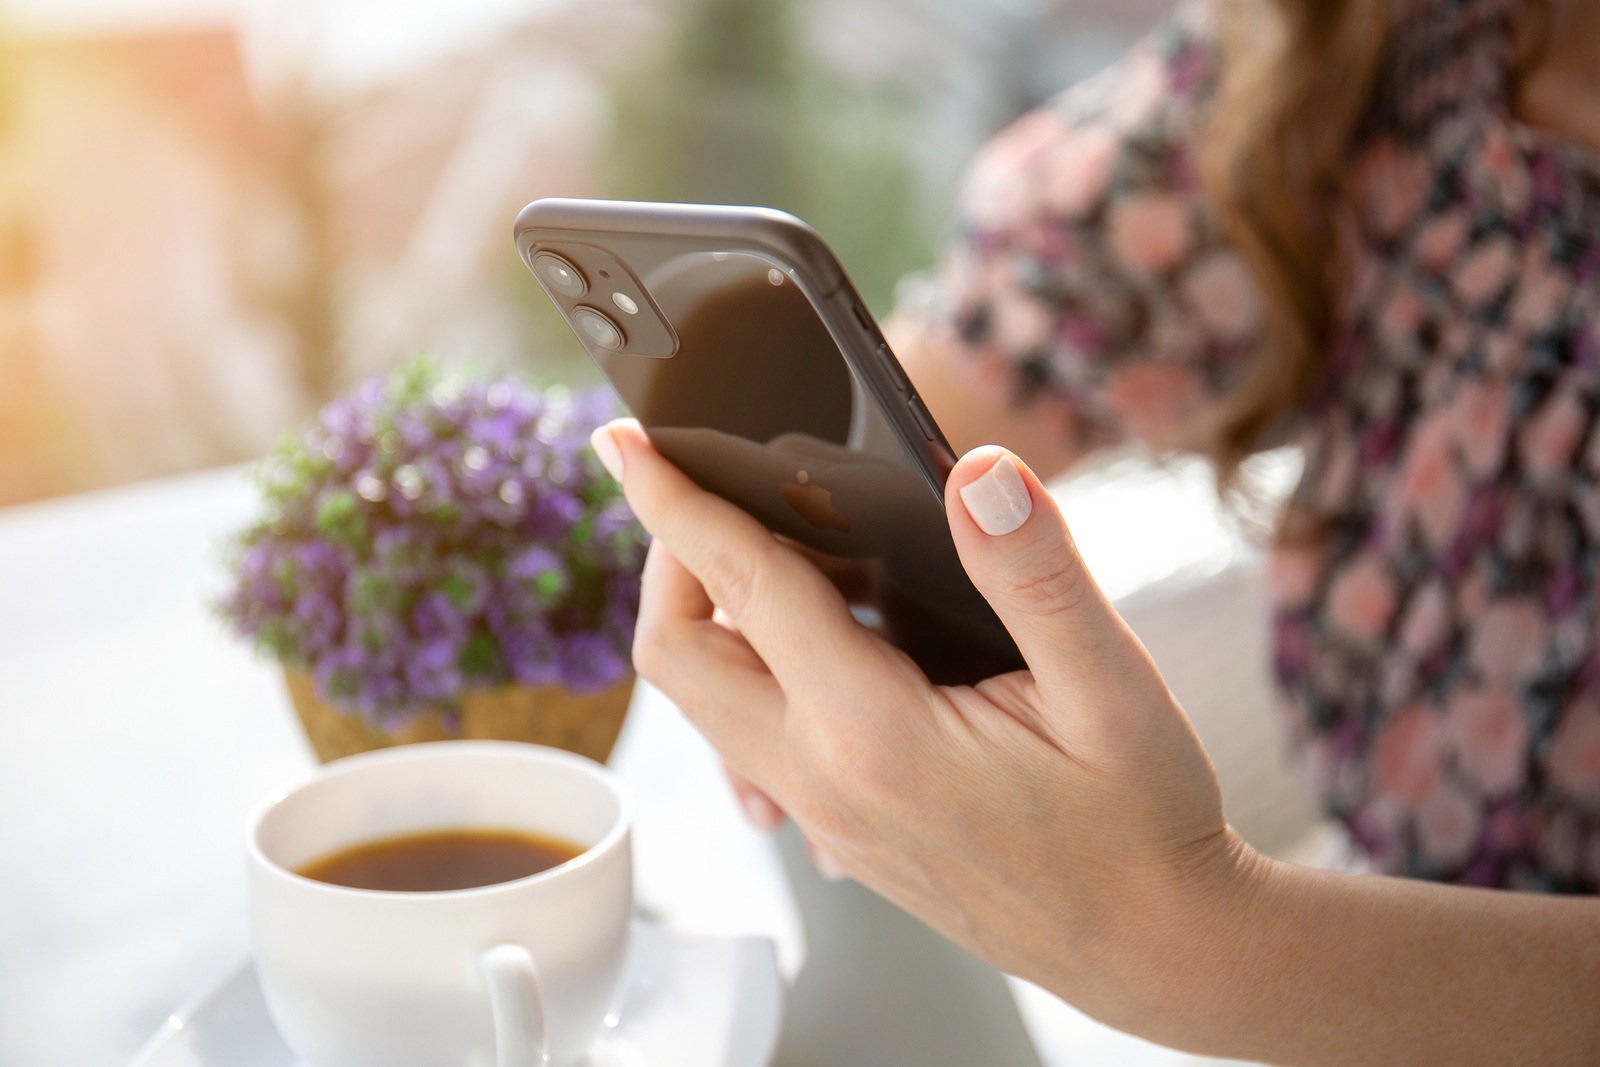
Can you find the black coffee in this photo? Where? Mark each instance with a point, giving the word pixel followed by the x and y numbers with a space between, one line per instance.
pixel 441 860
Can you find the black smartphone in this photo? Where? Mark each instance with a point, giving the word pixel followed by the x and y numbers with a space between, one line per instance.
pixel 737 340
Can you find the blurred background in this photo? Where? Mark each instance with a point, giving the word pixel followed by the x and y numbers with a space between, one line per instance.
pixel 216 214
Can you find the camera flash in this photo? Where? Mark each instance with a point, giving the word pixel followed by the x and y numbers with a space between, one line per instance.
pixel 775 276
pixel 625 302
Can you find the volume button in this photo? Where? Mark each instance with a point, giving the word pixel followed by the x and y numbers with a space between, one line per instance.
pixel 923 419
pixel 892 365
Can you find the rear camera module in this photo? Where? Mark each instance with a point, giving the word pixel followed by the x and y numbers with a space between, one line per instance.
pixel 597 327
pixel 559 275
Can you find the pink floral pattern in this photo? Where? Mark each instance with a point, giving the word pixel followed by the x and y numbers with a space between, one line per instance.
pixel 1436 632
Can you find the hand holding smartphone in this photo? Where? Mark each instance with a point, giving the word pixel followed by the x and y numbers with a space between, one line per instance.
pixel 737 340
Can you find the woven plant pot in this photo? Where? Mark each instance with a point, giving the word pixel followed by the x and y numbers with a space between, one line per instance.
pixel 585 723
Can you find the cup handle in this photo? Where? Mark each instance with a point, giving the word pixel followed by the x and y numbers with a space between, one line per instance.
pixel 518 1007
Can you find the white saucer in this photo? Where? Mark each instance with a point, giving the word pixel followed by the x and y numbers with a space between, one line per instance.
pixel 689 1001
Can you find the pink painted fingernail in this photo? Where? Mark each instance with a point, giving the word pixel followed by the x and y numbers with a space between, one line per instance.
pixel 605 447
pixel 762 812
pixel 998 499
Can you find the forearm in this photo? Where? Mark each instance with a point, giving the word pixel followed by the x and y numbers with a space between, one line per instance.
pixel 1311 967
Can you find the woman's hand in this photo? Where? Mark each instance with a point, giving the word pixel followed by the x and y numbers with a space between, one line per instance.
pixel 1064 822
pixel 1046 820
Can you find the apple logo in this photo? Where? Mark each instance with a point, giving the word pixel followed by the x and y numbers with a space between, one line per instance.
pixel 814 504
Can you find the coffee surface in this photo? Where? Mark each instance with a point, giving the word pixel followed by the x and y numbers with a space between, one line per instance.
pixel 441 860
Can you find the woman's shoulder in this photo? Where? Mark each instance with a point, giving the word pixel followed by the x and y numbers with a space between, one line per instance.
pixel 1174 67
pixel 1085 259
pixel 1132 126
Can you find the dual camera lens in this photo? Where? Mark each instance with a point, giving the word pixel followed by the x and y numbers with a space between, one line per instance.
pixel 559 275
pixel 562 277
pixel 597 327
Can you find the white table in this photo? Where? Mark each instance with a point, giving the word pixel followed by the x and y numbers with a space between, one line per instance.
pixel 136 737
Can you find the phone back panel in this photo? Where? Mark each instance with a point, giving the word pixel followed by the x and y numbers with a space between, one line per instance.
pixel 753 367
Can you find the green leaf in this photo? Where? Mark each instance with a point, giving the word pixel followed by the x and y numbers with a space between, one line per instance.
pixel 480 656
pixel 459 590
pixel 274 641
pixel 373 593
pixel 284 572
pixel 336 508
pixel 340 518
pixel 550 585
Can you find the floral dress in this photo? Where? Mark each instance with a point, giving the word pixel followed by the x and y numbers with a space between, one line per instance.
pixel 1435 644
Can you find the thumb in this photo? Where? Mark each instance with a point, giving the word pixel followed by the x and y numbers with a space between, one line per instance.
pixel 1016 548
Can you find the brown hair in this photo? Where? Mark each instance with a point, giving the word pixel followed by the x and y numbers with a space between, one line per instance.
pixel 1298 76
pixel 1298 79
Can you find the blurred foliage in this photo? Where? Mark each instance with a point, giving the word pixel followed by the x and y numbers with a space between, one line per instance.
pixel 732 109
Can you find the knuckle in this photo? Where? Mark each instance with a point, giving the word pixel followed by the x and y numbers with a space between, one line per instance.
pixel 827 811
pixel 1051 581
pixel 654 655
pixel 648 659
pixel 731 581
pixel 855 769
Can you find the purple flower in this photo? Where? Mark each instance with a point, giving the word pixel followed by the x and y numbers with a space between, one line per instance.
pixel 436 617
pixel 318 617
pixel 429 534
pixel 533 561
pixel 590 662
pixel 432 672
pixel 533 653
pixel 501 431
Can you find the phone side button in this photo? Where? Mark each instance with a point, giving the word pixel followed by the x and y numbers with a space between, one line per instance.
pixel 892 365
pixel 924 420
pixel 863 318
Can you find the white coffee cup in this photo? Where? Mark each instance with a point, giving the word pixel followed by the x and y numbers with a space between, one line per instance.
pixel 504 975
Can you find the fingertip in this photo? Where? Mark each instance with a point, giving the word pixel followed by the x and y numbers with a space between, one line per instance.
pixel 627 431
pixel 606 450
pixel 973 464
pixel 615 441
pixel 761 811
pixel 827 864
pixel 993 490
pixel 979 461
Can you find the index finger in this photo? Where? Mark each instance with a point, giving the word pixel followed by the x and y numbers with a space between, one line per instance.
pixel 789 612
pixel 712 673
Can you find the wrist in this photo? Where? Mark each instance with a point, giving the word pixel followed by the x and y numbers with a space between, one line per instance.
pixel 1181 966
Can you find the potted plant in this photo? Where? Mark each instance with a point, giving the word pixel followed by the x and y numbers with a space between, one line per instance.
pixel 445 557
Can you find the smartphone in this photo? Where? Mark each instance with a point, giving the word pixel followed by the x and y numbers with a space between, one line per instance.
pixel 737 340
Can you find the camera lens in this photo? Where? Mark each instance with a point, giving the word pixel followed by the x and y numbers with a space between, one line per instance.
pixel 559 275
pixel 598 328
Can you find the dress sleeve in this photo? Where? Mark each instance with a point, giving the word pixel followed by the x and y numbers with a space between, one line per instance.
pixel 1086 272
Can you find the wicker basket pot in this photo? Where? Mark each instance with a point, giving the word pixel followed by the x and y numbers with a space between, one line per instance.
pixel 585 723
